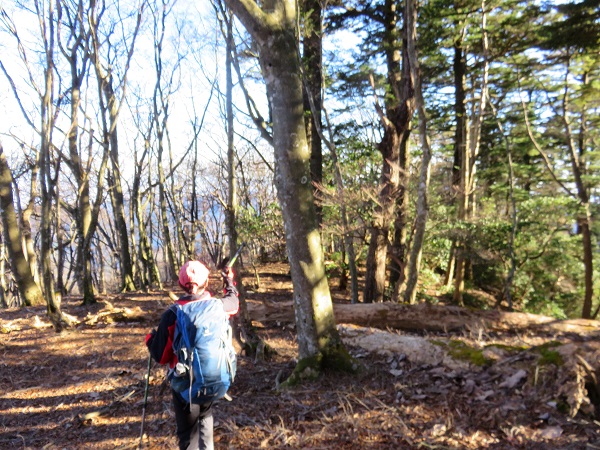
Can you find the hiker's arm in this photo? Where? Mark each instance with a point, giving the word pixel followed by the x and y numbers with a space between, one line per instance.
pixel 160 342
pixel 230 300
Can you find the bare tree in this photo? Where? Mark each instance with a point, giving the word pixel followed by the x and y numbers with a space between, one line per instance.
pixel 83 26
pixel 44 89
pixel 110 83
pixel 165 86
pixel 149 273
pixel 48 179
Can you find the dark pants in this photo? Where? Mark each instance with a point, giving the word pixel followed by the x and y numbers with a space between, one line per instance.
pixel 194 424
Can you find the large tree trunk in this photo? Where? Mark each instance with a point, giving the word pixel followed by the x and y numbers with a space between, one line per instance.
pixel 314 314
pixel 274 30
pixel 28 289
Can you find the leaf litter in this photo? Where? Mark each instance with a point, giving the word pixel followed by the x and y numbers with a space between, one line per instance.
pixel 84 388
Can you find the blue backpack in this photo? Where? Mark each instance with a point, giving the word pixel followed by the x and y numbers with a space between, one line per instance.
pixel 206 358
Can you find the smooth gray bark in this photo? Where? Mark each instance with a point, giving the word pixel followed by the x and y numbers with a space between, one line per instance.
pixel 274 30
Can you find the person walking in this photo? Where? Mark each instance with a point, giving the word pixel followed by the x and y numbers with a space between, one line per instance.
pixel 194 421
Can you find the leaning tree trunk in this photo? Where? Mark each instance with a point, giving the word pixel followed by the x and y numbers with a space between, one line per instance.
pixel 274 30
pixel 578 158
pixel 28 289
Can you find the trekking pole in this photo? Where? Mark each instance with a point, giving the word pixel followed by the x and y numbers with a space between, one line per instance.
pixel 234 257
pixel 145 400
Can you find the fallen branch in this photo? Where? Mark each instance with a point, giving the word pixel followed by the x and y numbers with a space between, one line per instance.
pixel 433 318
pixel 93 414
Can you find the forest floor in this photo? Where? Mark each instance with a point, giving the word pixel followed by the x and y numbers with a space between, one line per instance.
pixel 84 389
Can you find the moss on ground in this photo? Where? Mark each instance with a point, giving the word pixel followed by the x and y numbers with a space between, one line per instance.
pixel 463 352
pixel 336 359
pixel 511 349
pixel 307 369
pixel 547 355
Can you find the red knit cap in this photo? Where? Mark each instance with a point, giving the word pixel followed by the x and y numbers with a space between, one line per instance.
pixel 193 272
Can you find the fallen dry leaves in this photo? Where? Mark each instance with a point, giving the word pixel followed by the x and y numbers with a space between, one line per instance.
pixel 83 389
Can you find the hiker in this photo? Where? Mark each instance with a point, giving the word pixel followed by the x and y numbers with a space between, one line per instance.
pixel 194 421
